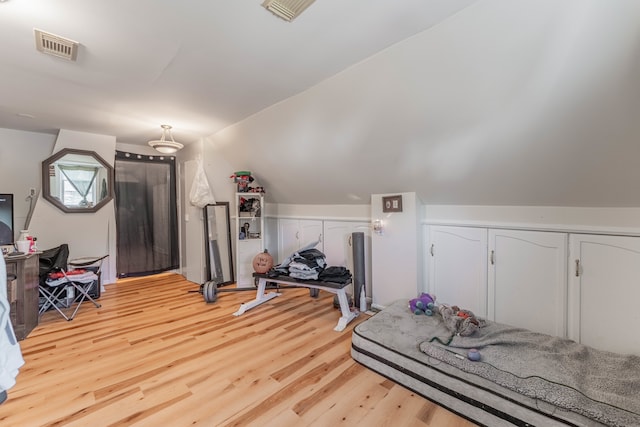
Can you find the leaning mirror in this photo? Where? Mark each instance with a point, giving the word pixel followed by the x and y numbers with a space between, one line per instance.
pixel 217 230
pixel 77 180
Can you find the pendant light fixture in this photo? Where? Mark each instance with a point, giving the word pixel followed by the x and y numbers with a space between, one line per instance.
pixel 164 145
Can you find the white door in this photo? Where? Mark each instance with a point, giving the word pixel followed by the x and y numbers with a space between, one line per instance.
pixel 287 237
pixel 457 258
pixel 336 235
pixel 294 234
pixel 527 280
pixel 310 231
pixel 604 292
pixel 338 246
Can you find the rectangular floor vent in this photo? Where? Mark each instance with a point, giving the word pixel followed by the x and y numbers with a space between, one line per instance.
pixel 55 45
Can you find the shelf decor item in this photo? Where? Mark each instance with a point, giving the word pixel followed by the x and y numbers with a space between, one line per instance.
pixel 249 234
pixel 262 262
pixel 243 179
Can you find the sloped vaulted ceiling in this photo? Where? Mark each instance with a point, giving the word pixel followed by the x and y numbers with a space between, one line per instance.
pixel 505 103
pixel 511 102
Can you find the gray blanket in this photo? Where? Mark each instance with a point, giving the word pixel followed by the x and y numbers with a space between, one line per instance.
pixel 601 385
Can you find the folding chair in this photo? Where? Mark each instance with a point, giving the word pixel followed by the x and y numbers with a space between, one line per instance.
pixel 60 288
pixel 92 264
pixel 81 281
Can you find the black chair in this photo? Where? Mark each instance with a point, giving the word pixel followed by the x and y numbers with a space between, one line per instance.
pixel 52 260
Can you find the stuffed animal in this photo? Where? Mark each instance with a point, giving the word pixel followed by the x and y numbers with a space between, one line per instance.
pixel 460 322
pixel 424 304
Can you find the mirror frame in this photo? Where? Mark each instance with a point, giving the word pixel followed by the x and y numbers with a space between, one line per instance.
pixel 46 181
pixel 207 252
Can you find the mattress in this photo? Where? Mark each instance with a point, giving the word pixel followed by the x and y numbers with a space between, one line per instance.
pixel 390 343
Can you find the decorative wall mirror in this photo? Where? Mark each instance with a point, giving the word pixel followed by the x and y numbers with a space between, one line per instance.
pixel 77 180
pixel 217 229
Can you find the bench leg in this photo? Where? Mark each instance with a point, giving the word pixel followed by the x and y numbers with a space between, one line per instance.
pixel 347 314
pixel 261 297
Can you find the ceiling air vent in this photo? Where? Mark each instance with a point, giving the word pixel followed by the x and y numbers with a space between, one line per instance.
pixel 287 9
pixel 55 45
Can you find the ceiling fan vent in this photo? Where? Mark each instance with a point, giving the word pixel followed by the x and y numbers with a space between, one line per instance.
pixel 287 9
pixel 55 45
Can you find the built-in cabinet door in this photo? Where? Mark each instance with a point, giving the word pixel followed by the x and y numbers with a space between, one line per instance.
pixel 527 280
pixel 457 259
pixel 310 231
pixel 294 234
pixel 338 246
pixel 287 237
pixel 604 292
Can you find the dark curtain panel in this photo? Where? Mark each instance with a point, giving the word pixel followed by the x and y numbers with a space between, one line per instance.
pixel 146 214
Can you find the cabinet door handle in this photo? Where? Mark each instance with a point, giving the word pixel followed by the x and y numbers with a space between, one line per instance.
pixel 320 237
pixel 493 257
pixel 297 235
pixel 577 268
pixel 431 250
pixel 349 240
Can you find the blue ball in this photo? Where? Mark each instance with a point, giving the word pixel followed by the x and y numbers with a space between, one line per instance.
pixel 473 355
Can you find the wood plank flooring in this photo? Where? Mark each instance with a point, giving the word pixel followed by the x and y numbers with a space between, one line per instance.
pixel 157 355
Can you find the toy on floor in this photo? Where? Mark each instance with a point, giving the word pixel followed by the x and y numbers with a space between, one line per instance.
pixel 460 322
pixel 424 304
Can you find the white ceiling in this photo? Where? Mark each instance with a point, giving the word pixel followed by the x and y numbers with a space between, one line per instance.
pixel 494 102
pixel 198 65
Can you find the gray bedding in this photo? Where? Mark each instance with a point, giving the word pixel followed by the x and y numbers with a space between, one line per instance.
pixel 600 385
pixel 573 385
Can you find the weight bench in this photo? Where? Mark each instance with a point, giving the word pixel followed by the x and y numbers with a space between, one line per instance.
pixel 334 288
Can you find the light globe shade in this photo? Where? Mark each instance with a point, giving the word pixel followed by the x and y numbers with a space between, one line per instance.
pixel 164 145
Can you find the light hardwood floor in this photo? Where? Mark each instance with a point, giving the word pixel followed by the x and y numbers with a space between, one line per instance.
pixel 157 355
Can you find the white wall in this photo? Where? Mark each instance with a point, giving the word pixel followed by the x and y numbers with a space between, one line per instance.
pixel 193 258
pixel 324 212
pixel 551 218
pixel 396 254
pixel 21 156
pixel 87 234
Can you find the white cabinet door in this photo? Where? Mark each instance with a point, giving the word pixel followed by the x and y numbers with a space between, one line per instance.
pixel 310 231
pixel 527 280
pixel 287 237
pixel 336 242
pixel 604 295
pixel 294 234
pixel 338 246
pixel 457 258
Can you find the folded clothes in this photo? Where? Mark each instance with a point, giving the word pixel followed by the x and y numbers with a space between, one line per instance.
pixel 303 275
pixel 335 274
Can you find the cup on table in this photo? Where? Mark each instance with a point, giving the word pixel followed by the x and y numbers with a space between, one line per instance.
pixel 23 246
